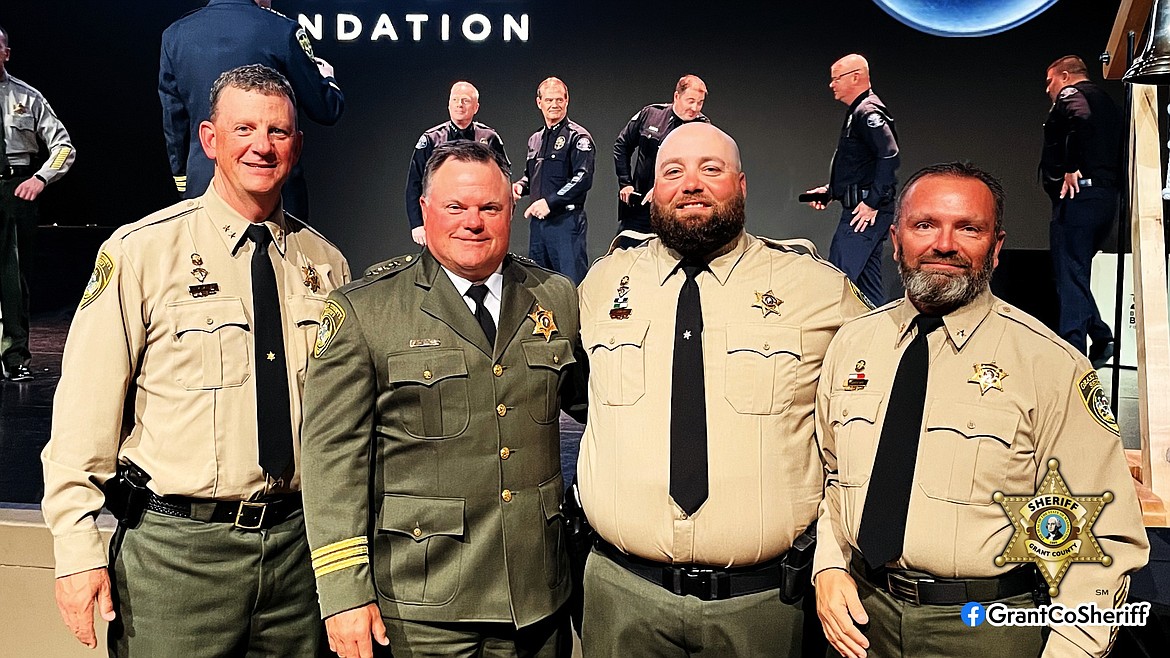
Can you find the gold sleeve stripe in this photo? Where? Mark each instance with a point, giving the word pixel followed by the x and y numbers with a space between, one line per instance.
pixel 326 560
pixel 339 545
pixel 59 161
pixel 338 566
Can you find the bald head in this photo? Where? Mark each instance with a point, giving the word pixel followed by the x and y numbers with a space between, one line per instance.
pixel 849 77
pixel 698 140
pixel 463 103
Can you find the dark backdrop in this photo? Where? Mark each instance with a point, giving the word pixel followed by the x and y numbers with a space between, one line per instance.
pixel 766 65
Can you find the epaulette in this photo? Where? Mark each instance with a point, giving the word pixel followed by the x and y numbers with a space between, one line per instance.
pixel 615 243
pixel 1009 312
pixel 293 219
pixel 175 211
pixel 389 267
pixel 275 12
pixel 803 247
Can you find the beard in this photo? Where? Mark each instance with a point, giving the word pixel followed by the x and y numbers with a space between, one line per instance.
pixel 940 293
pixel 693 237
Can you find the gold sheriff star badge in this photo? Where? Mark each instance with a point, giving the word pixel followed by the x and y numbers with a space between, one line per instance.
pixel 1053 528
pixel 545 324
pixel 988 376
pixel 768 302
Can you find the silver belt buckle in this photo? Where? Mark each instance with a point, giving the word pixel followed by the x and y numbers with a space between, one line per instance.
pixel 248 505
pixel 903 587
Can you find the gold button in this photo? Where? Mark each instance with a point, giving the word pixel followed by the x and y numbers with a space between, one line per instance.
pixel 505 452
pixel 409 258
pixel 767 346
pixel 970 424
pixel 501 409
pixel 497 370
pixel 417 532
pixel 210 321
pixel 506 495
pixel 844 412
pixel 612 341
pixel 556 359
pixel 427 374
pixel 682 516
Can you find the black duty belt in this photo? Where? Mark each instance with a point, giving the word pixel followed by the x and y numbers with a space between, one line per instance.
pixel 704 583
pixel 243 514
pixel 16 171
pixel 928 590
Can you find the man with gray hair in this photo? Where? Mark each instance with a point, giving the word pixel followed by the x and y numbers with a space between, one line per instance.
pixel 179 407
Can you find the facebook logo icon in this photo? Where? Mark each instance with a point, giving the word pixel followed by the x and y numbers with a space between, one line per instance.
pixel 973 614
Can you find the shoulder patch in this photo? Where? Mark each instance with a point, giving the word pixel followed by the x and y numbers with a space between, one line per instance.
pixel 103 273
pixel 331 319
pixel 584 144
pixel 1096 402
pixel 875 120
pixel 303 40
pixel 1068 91
pixel 422 142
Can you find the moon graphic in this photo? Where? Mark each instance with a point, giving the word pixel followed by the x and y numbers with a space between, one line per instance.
pixel 964 18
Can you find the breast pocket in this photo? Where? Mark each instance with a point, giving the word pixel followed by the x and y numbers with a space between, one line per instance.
pixel 305 312
pixel 418 550
pixel 967 452
pixel 617 358
pixel 430 392
pixel 546 361
pixel 853 418
pixel 761 367
pixel 23 136
pixel 210 344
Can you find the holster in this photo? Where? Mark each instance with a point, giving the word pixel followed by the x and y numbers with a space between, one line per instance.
pixel 126 494
pixel 796 567
pixel 580 538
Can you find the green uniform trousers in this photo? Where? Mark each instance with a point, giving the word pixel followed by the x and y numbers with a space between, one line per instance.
pixel 18 225
pixel 626 615
pixel 550 637
pixel 189 589
pixel 898 628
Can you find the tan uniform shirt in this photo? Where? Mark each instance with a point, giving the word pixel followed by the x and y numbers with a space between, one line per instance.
pixel 978 438
pixel 27 116
pixel 157 375
pixel 761 358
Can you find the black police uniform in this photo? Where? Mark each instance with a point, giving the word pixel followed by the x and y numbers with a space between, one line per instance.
pixel 441 134
pixel 559 169
pixel 1083 133
pixel 863 171
pixel 634 153
pixel 226 34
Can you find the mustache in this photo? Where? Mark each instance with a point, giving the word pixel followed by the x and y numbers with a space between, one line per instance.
pixel 954 260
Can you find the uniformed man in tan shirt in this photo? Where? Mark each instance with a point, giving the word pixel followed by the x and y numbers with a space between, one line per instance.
pixel 664 581
pixel 160 374
pixel 1003 397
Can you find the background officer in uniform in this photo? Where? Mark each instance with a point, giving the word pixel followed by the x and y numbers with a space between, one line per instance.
pixel 861 177
pixel 1080 169
pixel 698 467
pixel 908 532
pixel 186 359
pixel 221 36
pixel 462 106
pixel 636 148
pixel 559 172
pixel 448 370
pixel 25 117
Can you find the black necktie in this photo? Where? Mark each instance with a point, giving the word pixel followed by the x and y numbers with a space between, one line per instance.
pixel 478 293
pixel 883 521
pixel 273 426
pixel 688 404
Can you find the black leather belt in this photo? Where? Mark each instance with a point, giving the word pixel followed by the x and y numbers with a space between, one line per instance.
pixel 704 583
pixel 928 590
pixel 16 171
pixel 243 514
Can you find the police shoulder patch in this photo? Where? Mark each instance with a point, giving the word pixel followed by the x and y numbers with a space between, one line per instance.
pixel 103 272
pixel 422 142
pixel 303 39
pixel 1096 402
pixel 331 319
pixel 1069 91
pixel 875 120
pixel 584 144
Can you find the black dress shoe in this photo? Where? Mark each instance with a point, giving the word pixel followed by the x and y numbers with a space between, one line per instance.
pixel 19 373
pixel 1100 353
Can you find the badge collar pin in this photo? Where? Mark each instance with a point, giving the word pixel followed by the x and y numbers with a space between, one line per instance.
pixel 311 280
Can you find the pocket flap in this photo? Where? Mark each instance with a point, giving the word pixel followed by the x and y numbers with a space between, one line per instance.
pixel 551 494
pixel 418 518
pixel 764 339
pixel 208 314
pixel 612 335
pixel 555 354
pixel 850 406
pixel 426 366
pixel 973 421
pixel 306 309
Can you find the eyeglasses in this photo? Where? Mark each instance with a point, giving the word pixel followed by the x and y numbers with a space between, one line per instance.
pixel 835 78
